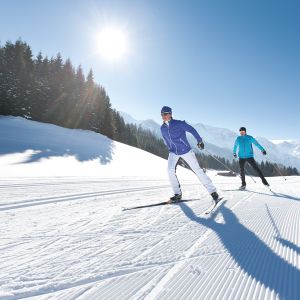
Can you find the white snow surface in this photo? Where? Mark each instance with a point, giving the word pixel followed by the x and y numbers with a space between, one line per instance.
pixel 64 235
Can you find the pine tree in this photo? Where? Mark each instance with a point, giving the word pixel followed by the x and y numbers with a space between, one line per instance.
pixel 69 98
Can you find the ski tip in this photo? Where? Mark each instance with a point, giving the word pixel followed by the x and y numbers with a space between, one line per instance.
pixel 220 202
pixel 126 208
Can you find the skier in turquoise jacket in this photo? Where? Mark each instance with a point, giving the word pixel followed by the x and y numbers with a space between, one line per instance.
pixel 244 143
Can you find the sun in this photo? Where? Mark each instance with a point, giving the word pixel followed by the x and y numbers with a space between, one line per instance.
pixel 112 43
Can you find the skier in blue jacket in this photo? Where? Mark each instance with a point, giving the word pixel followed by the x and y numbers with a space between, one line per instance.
pixel 174 134
pixel 244 143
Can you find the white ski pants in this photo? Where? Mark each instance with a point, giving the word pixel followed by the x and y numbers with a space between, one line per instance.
pixel 191 159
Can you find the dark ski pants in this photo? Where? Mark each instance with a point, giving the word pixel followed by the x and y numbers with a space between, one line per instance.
pixel 253 163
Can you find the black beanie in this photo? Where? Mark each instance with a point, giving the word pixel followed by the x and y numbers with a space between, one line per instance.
pixel 243 128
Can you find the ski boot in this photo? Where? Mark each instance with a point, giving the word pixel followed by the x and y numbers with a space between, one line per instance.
pixel 175 198
pixel 242 187
pixel 215 197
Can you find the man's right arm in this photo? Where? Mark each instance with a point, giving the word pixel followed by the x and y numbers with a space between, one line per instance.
pixel 235 147
pixel 164 139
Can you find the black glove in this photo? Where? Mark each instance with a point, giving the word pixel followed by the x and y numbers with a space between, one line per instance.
pixel 200 145
pixel 264 152
pixel 234 155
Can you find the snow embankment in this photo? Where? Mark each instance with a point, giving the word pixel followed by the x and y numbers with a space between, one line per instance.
pixel 31 149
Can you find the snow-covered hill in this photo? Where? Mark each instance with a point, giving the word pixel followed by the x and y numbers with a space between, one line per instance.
pixel 64 235
pixel 219 141
pixel 29 148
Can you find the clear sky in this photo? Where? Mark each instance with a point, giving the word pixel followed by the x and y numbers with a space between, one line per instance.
pixel 222 63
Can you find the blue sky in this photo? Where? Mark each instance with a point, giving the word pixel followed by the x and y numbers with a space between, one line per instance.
pixel 222 63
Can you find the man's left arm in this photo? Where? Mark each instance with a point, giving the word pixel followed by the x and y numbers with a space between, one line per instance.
pixel 258 145
pixel 187 127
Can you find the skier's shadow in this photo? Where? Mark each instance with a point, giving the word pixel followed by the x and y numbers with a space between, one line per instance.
pixel 274 194
pixel 281 195
pixel 278 236
pixel 251 254
pixel 288 244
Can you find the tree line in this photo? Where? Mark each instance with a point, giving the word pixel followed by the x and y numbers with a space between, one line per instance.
pixel 268 168
pixel 52 90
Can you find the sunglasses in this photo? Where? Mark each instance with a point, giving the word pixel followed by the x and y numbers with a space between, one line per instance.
pixel 165 113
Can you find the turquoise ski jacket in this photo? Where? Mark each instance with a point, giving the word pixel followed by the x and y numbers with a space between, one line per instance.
pixel 244 143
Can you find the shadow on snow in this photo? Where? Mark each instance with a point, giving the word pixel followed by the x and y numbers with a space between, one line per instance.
pixel 83 145
pixel 251 254
pixel 274 194
pixel 279 238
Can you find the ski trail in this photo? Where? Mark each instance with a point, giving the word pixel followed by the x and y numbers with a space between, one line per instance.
pixel 175 269
pixel 159 253
pixel 154 293
pixel 255 266
pixel 36 202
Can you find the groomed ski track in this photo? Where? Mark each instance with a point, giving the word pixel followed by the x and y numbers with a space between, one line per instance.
pixel 67 238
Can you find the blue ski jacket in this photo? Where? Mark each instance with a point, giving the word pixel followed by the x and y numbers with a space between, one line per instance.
pixel 244 143
pixel 174 134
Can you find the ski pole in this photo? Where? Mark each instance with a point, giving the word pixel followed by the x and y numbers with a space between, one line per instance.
pixel 249 174
pixel 278 170
pixel 226 166
pixel 184 163
pixel 220 162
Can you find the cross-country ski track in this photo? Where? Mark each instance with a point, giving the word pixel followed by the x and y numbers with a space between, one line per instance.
pixel 68 238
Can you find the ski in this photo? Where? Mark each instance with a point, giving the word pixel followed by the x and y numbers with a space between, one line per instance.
pixel 214 206
pixel 247 190
pixel 158 204
pixel 235 190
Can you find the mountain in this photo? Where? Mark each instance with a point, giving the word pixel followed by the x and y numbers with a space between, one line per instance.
pixel 146 124
pixel 219 141
pixel 290 146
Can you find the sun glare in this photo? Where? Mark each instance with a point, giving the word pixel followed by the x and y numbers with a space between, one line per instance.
pixel 112 43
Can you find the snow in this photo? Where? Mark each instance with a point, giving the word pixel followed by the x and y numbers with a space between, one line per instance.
pixel 64 234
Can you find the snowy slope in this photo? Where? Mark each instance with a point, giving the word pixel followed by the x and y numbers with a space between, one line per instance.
pixel 29 148
pixel 66 237
pixel 220 142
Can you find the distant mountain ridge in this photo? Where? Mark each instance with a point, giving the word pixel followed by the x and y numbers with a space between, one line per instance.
pixel 219 141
